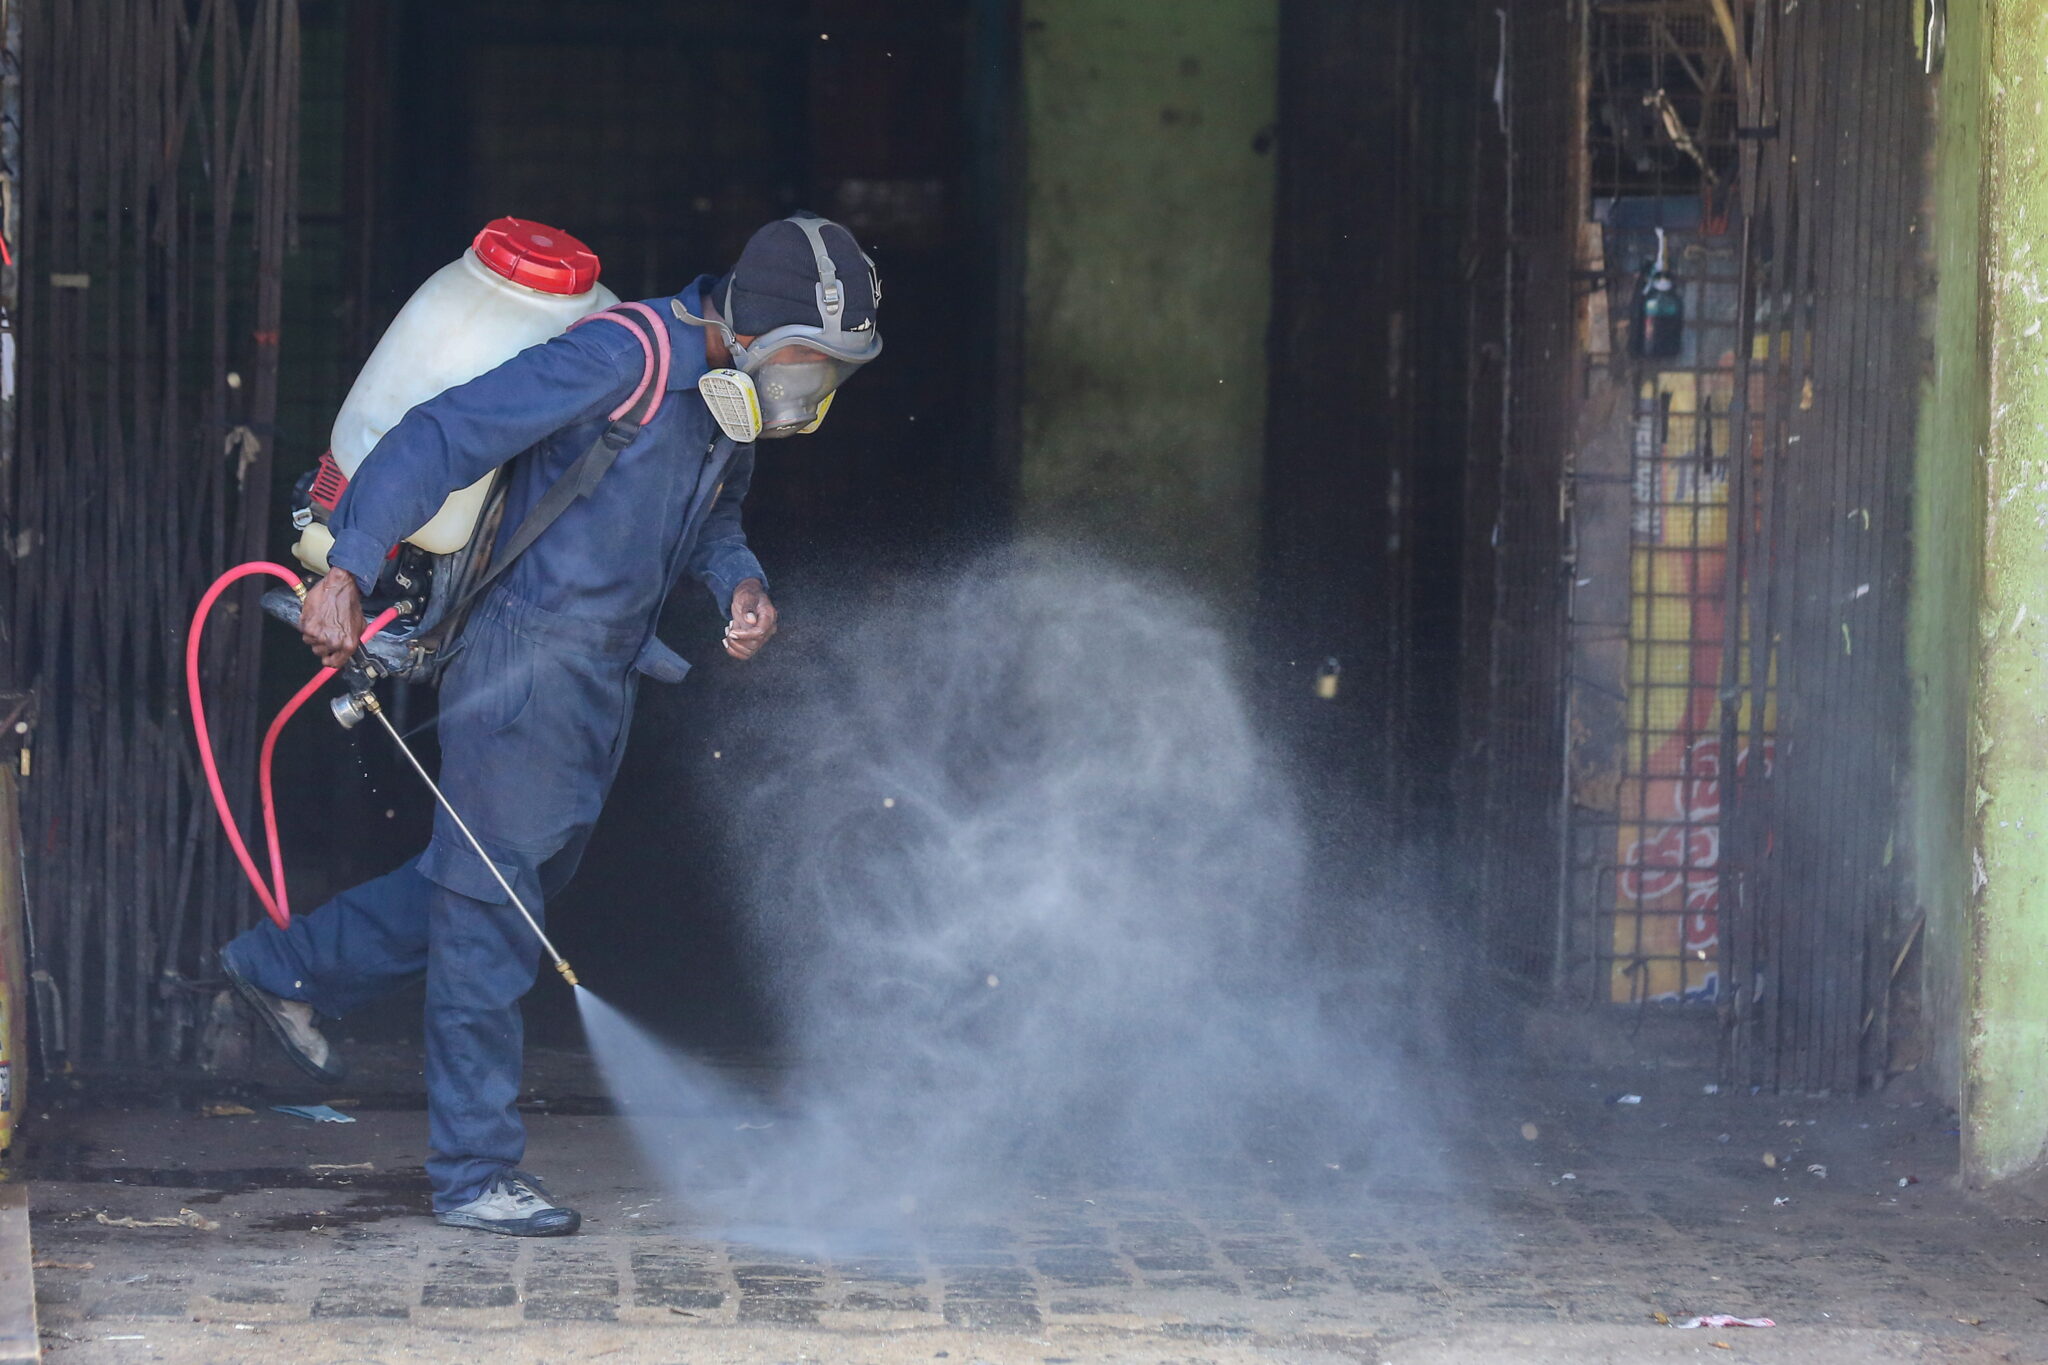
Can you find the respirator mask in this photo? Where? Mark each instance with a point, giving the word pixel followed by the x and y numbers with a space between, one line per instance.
pixel 782 384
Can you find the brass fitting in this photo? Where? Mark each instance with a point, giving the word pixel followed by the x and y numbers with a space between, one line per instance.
pixel 562 966
pixel 350 708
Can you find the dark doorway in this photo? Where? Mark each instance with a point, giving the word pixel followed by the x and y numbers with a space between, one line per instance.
pixel 662 134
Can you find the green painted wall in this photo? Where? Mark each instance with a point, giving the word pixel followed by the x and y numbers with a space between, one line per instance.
pixel 1948 549
pixel 2006 1091
pixel 1149 204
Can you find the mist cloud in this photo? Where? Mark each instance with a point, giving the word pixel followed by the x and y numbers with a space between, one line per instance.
pixel 1039 911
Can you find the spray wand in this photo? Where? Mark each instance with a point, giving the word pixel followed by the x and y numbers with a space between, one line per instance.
pixel 361 700
pixel 351 709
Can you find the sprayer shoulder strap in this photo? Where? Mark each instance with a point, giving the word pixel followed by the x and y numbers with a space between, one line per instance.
pixel 580 478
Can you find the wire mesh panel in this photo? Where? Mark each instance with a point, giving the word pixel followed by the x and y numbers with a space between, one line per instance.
pixel 1649 496
pixel 1655 854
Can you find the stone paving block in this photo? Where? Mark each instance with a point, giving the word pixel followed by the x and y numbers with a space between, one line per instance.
pixel 1068 1235
pixel 1300 1282
pixel 786 1293
pixel 1169 1261
pixel 992 1315
pixel 679 1297
pixel 362 1300
pixel 1080 1267
pixel 904 1273
pixel 1213 1284
pixel 249 1293
pixel 988 1281
pixel 1205 1331
pixel 469 1294
pixel 770 1279
pixel 865 1301
pixel 680 1282
pixel 570 1308
pixel 787 1311
pixel 1394 1283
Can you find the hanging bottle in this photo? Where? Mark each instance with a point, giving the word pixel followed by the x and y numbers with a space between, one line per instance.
pixel 1660 312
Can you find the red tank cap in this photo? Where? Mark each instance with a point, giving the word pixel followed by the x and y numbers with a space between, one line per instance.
pixel 537 256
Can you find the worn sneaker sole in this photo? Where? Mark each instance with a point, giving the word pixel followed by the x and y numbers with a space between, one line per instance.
pixel 511 1227
pixel 252 996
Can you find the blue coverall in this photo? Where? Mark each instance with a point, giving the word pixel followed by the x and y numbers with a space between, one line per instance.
pixel 535 702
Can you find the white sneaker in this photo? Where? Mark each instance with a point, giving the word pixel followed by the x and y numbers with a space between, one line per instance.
pixel 516 1204
pixel 291 1023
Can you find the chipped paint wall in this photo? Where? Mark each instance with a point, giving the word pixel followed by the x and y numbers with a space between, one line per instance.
pixel 1948 551
pixel 1149 205
pixel 2005 1128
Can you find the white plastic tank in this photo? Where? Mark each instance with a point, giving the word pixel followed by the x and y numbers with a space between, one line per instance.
pixel 519 284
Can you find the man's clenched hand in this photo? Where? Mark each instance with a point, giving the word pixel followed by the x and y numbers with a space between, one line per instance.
pixel 753 620
pixel 331 622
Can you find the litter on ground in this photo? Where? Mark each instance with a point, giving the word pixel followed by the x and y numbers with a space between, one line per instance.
pixel 186 1219
pixel 319 1113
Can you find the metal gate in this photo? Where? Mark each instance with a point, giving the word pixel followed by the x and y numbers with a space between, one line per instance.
pixel 1737 681
pixel 158 160
pixel 1525 215
pixel 1825 388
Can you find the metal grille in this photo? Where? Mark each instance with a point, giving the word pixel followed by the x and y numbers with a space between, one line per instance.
pixel 1522 406
pixel 1826 386
pixel 159 158
pixel 1663 111
pixel 1737 694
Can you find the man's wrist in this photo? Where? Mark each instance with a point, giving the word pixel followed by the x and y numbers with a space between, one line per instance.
pixel 358 554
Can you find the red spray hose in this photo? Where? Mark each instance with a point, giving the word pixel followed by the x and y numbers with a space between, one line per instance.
pixel 272 895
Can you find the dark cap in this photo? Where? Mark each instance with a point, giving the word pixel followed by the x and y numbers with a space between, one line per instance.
pixel 775 282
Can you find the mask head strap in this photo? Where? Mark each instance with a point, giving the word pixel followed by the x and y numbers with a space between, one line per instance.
pixel 831 295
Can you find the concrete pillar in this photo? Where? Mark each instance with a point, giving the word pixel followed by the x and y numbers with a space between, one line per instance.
pixel 1948 526
pixel 1149 202
pixel 2005 1094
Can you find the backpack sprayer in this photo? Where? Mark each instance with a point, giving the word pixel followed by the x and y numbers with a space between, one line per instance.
pixel 518 285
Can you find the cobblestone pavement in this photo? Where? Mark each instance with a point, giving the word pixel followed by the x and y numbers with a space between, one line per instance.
pixel 1554 1226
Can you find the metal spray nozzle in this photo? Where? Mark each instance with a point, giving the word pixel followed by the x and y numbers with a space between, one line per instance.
pixel 352 708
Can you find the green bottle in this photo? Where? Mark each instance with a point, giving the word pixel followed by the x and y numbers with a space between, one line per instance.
pixel 1660 312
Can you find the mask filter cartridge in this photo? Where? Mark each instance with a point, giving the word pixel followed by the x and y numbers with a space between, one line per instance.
pixel 734 404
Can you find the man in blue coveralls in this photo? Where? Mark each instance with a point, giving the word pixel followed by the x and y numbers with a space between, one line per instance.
pixel 538 692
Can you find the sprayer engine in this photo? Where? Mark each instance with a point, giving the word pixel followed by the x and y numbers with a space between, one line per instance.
pixel 405 588
pixel 408 577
